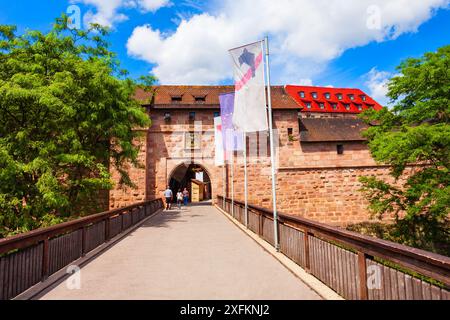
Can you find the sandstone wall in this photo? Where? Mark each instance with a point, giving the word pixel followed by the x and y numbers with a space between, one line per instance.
pixel 329 195
pixel 312 179
pixel 122 196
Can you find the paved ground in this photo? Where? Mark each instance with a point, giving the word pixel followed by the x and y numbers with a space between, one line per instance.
pixel 195 253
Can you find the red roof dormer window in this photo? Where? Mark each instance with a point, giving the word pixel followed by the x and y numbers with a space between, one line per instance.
pixel 332 100
pixel 177 98
pixel 200 98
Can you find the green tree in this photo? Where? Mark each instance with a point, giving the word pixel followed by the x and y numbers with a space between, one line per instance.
pixel 66 116
pixel 414 138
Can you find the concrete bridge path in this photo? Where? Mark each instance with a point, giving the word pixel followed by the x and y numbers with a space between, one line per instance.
pixel 193 253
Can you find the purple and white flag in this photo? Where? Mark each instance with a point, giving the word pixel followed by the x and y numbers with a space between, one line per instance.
pixel 232 139
pixel 250 113
pixel 218 142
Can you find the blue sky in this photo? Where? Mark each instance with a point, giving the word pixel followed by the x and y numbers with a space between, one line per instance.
pixel 340 43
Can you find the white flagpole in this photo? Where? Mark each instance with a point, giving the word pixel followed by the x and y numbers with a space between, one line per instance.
pixel 245 180
pixel 223 187
pixel 272 151
pixel 232 184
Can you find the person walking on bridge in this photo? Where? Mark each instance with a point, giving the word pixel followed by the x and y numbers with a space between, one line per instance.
pixel 179 198
pixel 168 195
pixel 185 196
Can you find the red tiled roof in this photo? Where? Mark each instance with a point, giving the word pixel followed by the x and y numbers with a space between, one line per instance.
pixel 163 96
pixel 322 103
pixel 331 129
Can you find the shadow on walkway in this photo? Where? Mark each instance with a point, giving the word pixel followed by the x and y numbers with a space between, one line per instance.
pixel 164 218
pixel 199 204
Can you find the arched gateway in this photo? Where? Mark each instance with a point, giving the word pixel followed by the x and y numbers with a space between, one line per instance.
pixel 195 178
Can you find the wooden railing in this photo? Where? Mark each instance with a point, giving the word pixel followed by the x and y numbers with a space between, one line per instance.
pixel 29 258
pixel 354 265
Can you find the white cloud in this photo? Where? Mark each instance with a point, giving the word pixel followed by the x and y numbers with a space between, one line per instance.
pixel 302 82
pixel 196 53
pixel 107 11
pixel 377 82
pixel 152 5
pixel 304 35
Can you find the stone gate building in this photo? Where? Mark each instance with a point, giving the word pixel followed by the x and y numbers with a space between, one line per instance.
pixel 320 155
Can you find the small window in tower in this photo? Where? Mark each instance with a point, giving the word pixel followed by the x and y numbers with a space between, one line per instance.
pixel 339 96
pixel 321 105
pixel 340 149
pixel 177 98
pixel 216 114
pixel 191 116
pixel 167 117
pixel 290 132
pixel 347 106
pixel 314 95
pixel 334 106
pixel 301 94
pixel 200 98
pixel 327 95
pixel 308 105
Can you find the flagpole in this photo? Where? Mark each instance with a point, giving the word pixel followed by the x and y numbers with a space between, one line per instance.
pixel 272 151
pixel 245 181
pixel 223 187
pixel 232 184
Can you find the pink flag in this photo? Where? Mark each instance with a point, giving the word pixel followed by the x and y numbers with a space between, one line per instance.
pixel 250 113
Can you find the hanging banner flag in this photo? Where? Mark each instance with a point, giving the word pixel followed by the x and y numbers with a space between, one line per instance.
pixel 218 142
pixel 250 113
pixel 232 139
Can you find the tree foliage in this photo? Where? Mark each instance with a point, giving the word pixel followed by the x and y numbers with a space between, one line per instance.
pixel 414 138
pixel 66 116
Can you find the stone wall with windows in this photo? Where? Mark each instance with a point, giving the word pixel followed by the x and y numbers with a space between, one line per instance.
pixel 313 180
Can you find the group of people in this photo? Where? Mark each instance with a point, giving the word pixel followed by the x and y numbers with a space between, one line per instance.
pixel 182 197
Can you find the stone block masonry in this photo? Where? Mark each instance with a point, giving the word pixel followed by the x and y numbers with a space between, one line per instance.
pixel 313 179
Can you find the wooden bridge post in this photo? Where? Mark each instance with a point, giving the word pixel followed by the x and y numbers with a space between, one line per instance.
pixel 132 217
pixel 83 241
pixel 45 259
pixel 362 271
pixel 260 225
pixel 306 250
pixel 107 228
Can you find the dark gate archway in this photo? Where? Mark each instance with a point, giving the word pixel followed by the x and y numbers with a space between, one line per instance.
pixel 195 178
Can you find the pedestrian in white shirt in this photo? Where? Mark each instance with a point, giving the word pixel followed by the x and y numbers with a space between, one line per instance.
pixel 179 198
pixel 168 195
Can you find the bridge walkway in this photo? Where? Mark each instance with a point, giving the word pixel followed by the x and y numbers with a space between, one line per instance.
pixel 192 253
